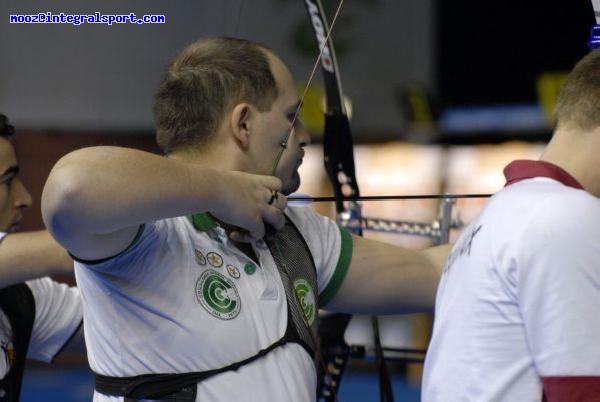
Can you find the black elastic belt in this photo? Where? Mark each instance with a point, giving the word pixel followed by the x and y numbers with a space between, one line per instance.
pixel 148 386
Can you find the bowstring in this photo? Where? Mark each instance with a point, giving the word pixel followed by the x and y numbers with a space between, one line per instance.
pixel 284 143
pixel 306 87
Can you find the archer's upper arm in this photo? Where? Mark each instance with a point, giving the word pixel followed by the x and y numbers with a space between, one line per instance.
pixel 388 279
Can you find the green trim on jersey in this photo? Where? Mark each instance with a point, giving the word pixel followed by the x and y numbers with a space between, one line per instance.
pixel 202 222
pixel 341 268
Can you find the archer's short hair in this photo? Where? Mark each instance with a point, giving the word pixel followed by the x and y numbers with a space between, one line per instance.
pixel 578 102
pixel 6 129
pixel 203 82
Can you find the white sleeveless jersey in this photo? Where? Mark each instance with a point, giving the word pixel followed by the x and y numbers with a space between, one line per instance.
pixel 517 306
pixel 58 314
pixel 183 299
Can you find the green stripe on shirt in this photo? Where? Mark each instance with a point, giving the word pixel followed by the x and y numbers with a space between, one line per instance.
pixel 341 268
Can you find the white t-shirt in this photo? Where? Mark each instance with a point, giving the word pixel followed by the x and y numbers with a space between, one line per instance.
pixel 58 314
pixel 516 315
pixel 183 299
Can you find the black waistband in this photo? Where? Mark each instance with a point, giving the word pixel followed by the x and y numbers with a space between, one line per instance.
pixel 161 385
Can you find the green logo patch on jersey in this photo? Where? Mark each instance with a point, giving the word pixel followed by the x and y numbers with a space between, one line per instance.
pixel 218 295
pixel 306 297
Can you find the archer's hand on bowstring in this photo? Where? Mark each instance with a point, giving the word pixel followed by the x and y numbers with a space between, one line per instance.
pixel 249 202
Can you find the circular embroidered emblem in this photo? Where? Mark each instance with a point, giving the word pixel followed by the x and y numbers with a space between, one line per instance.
pixel 218 295
pixel 306 297
pixel 200 259
pixel 233 271
pixel 250 268
pixel 214 259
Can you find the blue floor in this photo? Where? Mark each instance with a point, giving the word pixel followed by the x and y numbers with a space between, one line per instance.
pixel 75 385
pixel 57 384
pixel 364 387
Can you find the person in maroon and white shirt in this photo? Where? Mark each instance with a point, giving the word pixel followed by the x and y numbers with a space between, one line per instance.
pixel 517 306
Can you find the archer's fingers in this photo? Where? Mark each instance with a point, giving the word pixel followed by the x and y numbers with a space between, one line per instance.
pixel 273 216
pixel 244 236
pixel 280 201
pixel 271 183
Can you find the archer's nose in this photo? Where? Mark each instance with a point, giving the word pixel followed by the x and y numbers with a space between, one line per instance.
pixel 22 198
pixel 303 136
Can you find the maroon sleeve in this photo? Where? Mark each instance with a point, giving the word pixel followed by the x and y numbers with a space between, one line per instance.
pixel 571 389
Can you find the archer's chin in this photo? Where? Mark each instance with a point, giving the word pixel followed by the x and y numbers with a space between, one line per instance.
pixel 292 185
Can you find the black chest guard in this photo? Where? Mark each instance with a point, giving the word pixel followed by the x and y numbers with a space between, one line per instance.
pixel 18 304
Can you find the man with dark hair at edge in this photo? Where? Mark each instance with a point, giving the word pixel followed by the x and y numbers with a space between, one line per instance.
pixel 38 316
pixel 517 306
pixel 186 298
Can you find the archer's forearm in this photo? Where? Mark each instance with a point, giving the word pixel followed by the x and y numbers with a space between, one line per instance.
pixel 30 255
pixel 101 190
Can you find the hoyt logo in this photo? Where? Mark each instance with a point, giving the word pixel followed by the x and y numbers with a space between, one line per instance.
pixel 319 27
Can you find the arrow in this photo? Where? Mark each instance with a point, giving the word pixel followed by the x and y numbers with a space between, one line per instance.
pixel 309 199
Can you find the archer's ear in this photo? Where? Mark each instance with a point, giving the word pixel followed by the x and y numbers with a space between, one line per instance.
pixel 240 123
